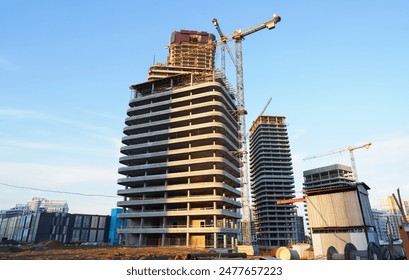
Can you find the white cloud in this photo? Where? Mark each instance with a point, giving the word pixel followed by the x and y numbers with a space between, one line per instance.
pixel 58 176
pixel 28 114
pixel 29 145
pixel 104 115
pixel 386 167
pixel 8 112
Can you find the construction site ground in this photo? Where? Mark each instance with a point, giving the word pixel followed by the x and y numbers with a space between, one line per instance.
pixel 57 251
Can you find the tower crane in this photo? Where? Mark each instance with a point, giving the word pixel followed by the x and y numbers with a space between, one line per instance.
pixel 351 155
pixel 238 36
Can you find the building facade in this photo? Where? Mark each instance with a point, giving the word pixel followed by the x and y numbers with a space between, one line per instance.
pixel 300 236
pixel 272 179
pixel 67 228
pixel 114 237
pixel 181 168
pixel 383 226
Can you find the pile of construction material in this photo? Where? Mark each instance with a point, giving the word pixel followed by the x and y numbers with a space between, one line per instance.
pixel 301 251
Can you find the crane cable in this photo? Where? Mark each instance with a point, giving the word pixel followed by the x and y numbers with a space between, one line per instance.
pixel 54 191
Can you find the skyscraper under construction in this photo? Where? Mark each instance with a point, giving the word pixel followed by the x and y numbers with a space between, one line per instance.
pixel 181 168
pixel 272 179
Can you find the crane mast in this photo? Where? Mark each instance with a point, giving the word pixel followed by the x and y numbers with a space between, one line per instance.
pixel 351 155
pixel 238 37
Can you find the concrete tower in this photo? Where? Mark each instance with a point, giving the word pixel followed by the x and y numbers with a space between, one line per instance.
pixel 271 180
pixel 181 170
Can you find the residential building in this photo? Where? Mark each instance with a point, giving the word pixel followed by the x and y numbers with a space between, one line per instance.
pixel 39 204
pixel 36 205
pixel 389 205
pixel 272 179
pixel 181 168
pixel 387 225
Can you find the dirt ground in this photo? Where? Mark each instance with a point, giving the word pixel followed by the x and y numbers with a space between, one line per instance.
pixel 60 252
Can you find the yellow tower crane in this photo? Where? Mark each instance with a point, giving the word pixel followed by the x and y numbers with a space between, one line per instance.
pixel 351 155
pixel 238 36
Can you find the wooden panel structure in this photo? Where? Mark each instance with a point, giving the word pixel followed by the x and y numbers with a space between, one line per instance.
pixel 366 206
pixel 333 210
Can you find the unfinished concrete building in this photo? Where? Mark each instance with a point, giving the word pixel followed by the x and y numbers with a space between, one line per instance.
pixel 181 170
pixel 328 176
pixel 272 180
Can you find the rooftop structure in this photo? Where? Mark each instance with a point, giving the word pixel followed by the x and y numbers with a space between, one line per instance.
pixel 192 49
pixel 272 180
pixel 328 176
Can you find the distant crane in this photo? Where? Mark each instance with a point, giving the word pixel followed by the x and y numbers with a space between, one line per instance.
pixel 351 155
pixel 238 37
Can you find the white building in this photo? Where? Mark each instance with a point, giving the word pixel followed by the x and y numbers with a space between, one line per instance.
pixel 39 204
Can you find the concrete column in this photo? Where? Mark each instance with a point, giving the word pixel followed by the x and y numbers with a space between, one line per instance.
pixel 165 205
pixel 140 240
pixel 187 239
pixel 224 240
pixel 163 240
pixel 214 240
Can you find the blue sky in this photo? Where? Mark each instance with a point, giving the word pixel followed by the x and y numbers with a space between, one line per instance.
pixel 338 71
